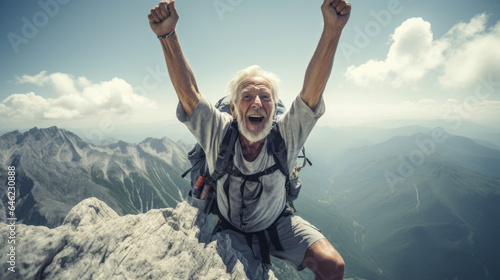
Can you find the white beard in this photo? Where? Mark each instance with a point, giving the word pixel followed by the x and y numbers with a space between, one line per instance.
pixel 254 137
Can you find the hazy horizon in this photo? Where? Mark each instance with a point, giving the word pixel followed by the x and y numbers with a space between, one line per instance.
pixel 176 131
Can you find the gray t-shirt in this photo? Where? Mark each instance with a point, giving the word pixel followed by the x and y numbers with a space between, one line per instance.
pixel 209 126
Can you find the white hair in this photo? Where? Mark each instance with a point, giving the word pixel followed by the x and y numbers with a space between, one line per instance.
pixel 253 71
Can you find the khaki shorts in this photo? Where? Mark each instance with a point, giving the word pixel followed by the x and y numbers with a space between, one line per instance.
pixel 295 234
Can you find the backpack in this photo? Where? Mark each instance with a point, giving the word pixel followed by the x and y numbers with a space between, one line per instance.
pixel 200 173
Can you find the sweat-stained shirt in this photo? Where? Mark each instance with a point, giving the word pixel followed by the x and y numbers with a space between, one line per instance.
pixel 209 126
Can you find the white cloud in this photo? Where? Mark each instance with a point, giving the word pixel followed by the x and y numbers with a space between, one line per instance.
pixel 40 79
pixel 83 82
pixel 412 53
pixel 79 99
pixel 29 106
pixel 476 57
pixel 465 31
pixel 372 73
pixel 465 53
pixel 62 83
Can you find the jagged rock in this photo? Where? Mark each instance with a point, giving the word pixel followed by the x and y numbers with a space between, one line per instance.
pixel 94 242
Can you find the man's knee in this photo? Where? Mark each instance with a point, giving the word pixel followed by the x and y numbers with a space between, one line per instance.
pixel 332 266
pixel 336 268
pixel 324 261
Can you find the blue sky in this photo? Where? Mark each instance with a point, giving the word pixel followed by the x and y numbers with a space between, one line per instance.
pixel 96 65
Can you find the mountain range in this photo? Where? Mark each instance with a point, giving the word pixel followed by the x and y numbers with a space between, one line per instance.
pixel 398 203
pixel 56 169
pixel 430 205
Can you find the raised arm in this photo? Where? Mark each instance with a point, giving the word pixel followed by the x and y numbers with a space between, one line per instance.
pixel 335 15
pixel 163 19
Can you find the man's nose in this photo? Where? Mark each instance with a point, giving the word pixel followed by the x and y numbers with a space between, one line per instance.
pixel 257 102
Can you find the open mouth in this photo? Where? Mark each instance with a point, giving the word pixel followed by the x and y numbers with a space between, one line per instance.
pixel 255 119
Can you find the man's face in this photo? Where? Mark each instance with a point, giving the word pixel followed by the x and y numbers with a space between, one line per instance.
pixel 254 108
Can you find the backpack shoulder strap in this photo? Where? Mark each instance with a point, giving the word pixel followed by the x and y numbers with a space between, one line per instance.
pixel 276 146
pixel 226 151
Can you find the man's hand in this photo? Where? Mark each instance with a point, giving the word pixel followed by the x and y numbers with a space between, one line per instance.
pixel 335 13
pixel 163 18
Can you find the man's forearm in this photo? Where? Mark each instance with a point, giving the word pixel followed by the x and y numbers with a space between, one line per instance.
pixel 319 68
pixel 335 15
pixel 180 73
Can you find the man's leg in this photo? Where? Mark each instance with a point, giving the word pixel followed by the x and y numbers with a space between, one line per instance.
pixel 324 261
pixel 305 247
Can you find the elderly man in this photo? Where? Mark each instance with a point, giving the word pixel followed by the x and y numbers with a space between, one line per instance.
pixel 255 206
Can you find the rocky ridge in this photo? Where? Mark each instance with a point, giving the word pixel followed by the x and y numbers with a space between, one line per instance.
pixel 94 242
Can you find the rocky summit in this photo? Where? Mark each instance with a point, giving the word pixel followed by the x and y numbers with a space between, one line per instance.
pixel 94 242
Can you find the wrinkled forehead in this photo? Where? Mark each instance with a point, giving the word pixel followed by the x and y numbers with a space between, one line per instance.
pixel 254 84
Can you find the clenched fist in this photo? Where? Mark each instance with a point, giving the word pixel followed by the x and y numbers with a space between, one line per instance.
pixel 163 18
pixel 336 13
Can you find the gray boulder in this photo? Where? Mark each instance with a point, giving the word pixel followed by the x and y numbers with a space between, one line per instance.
pixel 94 242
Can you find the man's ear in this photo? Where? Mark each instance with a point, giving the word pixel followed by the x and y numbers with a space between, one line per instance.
pixel 231 106
pixel 275 111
